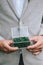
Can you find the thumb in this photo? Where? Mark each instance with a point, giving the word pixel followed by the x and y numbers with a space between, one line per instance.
pixel 33 46
pixel 9 48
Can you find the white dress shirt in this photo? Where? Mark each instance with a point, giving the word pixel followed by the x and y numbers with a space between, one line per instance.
pixel 19 4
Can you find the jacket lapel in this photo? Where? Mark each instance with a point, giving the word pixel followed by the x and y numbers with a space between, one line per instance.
pixel 10 2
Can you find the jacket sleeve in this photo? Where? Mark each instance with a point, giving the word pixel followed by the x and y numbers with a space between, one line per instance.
pixel 41 27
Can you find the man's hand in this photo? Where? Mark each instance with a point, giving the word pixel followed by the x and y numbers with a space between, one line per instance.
pixel 38 46
pixel 5 45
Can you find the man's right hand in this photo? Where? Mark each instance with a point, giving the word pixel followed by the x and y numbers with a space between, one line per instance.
pixel 5 45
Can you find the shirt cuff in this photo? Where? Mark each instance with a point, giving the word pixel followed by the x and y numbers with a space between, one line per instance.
pixel 1 38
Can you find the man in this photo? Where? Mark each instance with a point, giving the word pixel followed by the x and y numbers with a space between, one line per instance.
pixel 31 17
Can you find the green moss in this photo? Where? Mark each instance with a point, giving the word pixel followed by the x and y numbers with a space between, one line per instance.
pixel 21 42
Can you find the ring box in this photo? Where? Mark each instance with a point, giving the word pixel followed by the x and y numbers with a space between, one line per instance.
pixel 20 38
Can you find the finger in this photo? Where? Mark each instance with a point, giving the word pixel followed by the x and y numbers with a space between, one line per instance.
pixel 9 48
pixel 40 47
pixel 13 49
pixel 10 41
pixel 36 50
pixel 35 46
pixel 37 53
pixel 5 50
pixel 33 51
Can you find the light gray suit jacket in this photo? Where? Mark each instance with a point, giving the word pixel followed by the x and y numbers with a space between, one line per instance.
pixel 31 17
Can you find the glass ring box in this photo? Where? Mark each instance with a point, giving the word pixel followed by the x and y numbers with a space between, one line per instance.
pixel 20 39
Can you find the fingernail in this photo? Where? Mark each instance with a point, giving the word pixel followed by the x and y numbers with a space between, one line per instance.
pixel 16 48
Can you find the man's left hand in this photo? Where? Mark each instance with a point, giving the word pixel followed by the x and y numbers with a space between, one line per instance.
pixel 38 46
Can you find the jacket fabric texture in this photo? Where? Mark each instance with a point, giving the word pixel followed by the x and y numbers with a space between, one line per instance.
pixel 31 17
